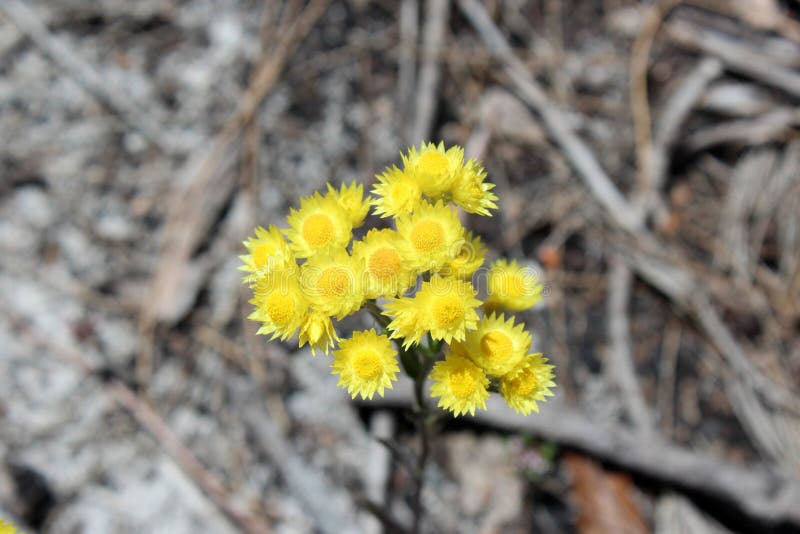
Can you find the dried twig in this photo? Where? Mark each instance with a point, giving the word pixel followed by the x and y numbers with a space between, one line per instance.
pixel 620 355
pixel 557 124
pixel 406 71
pixel 307 484
pixel 669 123
pixel 436 17
pixel 640 105
pixel 736 56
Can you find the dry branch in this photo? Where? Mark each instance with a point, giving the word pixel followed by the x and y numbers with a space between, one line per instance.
pixel 758 491
pixel 736 56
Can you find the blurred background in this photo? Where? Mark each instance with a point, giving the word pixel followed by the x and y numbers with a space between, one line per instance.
pixel 647 160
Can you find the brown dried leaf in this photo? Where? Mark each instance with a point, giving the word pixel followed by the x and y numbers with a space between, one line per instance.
pixel 605 501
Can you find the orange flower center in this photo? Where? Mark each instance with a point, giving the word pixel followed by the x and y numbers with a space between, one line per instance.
pixel 334 282
pixel 384 264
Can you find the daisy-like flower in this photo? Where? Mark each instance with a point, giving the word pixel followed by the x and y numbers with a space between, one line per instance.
pixel 471 192
pixel 320 224
pixel 512 287
pixel 6 527
pixel 386 272
pixel 460 385
pixel 268 251
pixel 398 193
pixel 445 307
pixel 528 384
pixel 433 235
pixel 317 330
pixel 333 282
pixel 496 345
pixel 434 168
pixel 279 302
pixel 366 363
pixel 468 258
pixel 351 200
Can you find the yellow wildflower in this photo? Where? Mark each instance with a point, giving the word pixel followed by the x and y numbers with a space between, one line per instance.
pixel 433 235
pixel 351 200
pixel 528 383
pixel 333 282
pixel 434 168
pixel 386 271
pixel 512 287
pixel 460 385
pixel 320 224
pixel 468 258
pixel 445 307
pixel 496 345
pixel 366 363
pixel 279 302
pixel 397 192
pixel 471 192
pixel 268 250
pixel 317 330
pixel 6 527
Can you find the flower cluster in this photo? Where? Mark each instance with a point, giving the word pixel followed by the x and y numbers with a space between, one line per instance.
pixel 416 279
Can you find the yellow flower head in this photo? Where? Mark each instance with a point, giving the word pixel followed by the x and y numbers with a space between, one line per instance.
pixel 445 307
pixel 496 345
pixel 471 192
pixel 434 168
pixel 279 302
pixel 386 271
pixel 397 192
pixel 366 363
pixel 6 527
pixel 317 330
pixel 351 200
pixel 433 235
pixel 268 251
pixel 528 383
pixel 468 258
pixel 460 385
pixel 512 287
pixel 320 224
pixel 333 282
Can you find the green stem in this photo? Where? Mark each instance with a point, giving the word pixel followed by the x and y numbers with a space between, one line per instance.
pixel 426 424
